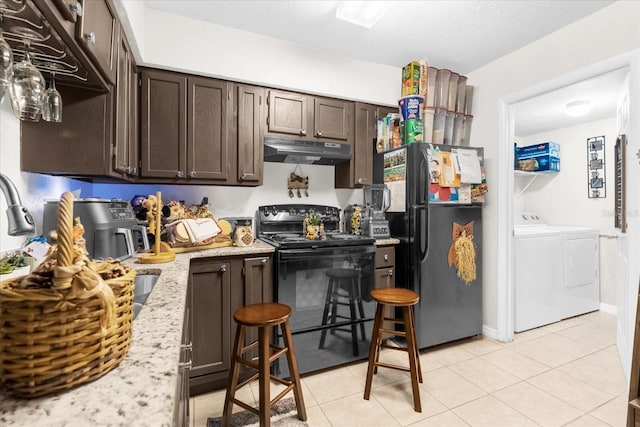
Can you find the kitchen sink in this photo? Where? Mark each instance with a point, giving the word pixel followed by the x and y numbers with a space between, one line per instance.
pixel 144 283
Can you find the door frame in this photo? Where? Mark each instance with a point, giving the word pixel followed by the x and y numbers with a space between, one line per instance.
pixel 505 152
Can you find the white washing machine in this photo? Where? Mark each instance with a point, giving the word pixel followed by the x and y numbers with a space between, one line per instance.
pixel 538 275
pixel 556 271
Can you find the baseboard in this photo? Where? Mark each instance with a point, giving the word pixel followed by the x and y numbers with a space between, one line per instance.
pixel 608 308
pixel 489 332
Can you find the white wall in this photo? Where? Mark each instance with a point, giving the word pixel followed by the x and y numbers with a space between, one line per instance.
pixel 608 33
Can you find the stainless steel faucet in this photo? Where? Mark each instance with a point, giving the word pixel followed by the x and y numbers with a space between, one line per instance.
pixel 20 220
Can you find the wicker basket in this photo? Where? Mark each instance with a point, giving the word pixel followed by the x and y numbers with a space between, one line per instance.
pixel 79 329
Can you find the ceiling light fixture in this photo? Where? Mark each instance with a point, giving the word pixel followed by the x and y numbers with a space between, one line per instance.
pixel 578 108
pixel 362 13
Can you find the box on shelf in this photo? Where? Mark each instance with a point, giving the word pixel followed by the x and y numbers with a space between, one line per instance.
pixel 539 157
pixel 411 79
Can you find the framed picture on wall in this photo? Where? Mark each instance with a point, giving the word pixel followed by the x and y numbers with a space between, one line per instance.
pixel 596 182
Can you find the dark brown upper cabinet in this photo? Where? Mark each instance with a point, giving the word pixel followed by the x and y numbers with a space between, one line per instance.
pixel 208 118
pixel 126 141
pixel 359 171
pixel 185 128
pixel 163 117
pixel 79 146
pixel 248 121
pixel 291 114
pixel 97 33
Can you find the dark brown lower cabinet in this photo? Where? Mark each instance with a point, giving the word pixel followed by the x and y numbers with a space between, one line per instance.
pixel 218 287
pixel 385 270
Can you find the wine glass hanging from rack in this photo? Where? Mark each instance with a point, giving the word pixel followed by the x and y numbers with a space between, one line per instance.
pixel 32 44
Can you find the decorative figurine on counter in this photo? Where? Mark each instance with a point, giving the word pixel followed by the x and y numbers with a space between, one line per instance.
pixel 313 227
pixel 243 235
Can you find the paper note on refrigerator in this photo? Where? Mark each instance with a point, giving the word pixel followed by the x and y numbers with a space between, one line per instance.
pixel 468 166
pixel 448 174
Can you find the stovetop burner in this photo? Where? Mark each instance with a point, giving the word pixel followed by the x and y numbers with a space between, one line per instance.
pixel 282 227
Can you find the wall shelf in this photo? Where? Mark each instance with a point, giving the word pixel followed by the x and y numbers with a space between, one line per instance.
pixel 532 177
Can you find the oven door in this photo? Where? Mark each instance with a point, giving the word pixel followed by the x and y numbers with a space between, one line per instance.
pixel 332 310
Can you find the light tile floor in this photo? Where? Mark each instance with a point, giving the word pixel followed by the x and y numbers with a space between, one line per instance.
pixel 564 374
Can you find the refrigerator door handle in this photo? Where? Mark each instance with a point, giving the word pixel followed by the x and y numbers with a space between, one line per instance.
pixel 424 166
pixel 422 230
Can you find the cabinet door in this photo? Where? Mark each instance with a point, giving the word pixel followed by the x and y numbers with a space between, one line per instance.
pixel 332 119
pixel 80 145
pixel 163 145
pixel 258 287
pixel 208 123
pixel 288 113
pixel 210 317
pixel 258 282
pixel 250 138
pixel 97 34
pixel 359 170
pixel 125 153
pixel 69 9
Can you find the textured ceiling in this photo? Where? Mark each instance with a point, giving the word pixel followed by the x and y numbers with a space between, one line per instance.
pixel 459 35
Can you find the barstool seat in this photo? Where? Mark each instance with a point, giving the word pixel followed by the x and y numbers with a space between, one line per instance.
pixel 405 299
pixel 343 290
pixel 264 316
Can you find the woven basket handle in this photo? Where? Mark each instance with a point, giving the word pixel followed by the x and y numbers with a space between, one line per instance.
pixel 64 228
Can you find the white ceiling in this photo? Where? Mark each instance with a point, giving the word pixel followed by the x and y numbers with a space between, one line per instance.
pixel 460 35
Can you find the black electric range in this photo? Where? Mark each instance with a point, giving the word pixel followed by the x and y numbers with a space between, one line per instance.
pixel 282 226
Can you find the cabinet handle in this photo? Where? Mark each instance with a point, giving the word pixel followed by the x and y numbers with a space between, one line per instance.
pixel 223 268
pixel 180 174
pixel 192 174
pixel 243 177
pixel 319 133
pixel 264 261
pixel 386 257
pixel 91 37
pixel 76 8
pixel 303 132
pixel 361 180
pixel 390 272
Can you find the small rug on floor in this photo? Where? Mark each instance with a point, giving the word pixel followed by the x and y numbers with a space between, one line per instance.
pixel 283 414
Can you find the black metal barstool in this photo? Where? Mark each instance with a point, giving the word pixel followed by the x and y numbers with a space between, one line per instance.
pixel 343 290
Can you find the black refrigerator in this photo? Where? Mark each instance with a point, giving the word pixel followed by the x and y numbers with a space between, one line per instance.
pixel 432 205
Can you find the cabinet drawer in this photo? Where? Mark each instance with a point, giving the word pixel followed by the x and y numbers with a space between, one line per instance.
pixel 385 256
pixel 385 277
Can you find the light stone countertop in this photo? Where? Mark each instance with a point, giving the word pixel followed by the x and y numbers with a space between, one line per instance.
pixel 387 241
pixel 142 390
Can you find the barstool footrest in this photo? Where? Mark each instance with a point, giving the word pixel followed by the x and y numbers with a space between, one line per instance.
pixel 393 332
pixel 282 394
pixel 396 367
pixel 245 405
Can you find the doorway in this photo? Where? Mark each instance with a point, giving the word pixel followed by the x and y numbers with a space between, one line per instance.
pixel 507 116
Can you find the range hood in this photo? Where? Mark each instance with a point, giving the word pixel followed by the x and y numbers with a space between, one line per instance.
pixel 284 150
